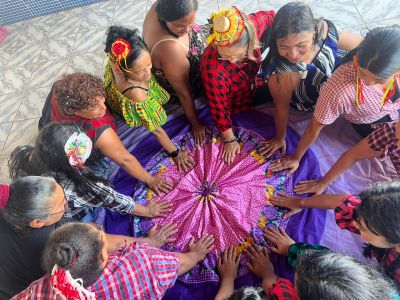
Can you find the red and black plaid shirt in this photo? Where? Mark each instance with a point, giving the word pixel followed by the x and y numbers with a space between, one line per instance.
pixel 283 289
pixel 230 87
pixel 92 127
pixel 345 216
pixel 384 140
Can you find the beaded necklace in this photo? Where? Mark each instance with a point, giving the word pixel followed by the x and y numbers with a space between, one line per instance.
pixel 360 98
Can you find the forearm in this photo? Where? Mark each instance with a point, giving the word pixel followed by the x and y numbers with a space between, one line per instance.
pixel 344 163
pixel 226 289
pixel 327 201
pixel 308 138
pixel 163 138
pixel 140 210
pixel 187 261
pixel 133 167
pixel 115 241
pixel 228 135
pixel 268 282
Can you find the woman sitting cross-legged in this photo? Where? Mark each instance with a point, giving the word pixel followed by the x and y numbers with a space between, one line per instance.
pixel 176 43
pixel 62 148
pixel 229 68
pixel 35 208
pixel 79 98
pixel 373 214
pixel 133 92
pixel 364 90
pixel 135 271
pixel 303 54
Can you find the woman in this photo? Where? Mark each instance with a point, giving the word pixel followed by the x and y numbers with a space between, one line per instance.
pixel 373 215
pixel 303 54
pixel 133 272
pixel 229 68
pixel 62 148
pixel 382 142
pixel 36 207
pixel 363 90
pixel 134 93
pixel 79 98
pixel 175 43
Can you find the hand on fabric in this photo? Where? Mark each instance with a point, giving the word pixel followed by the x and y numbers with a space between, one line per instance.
pixel 154 209
pixel 269 147
pixel 290 202
pixel 281 240
pixel 202 247
pixel 184 161
pixel 199 134
pixel 158 237
pixel 289 162
pixel 228 263
pixel 316 187
pixel 230 151
pixel 159 184
pixel 260 264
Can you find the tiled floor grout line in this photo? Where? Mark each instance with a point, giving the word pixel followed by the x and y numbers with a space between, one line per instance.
pixel 359 13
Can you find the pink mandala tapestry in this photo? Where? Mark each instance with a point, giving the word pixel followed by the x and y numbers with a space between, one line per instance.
pixel 228 201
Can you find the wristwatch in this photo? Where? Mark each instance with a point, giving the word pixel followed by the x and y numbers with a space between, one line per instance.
pixel 173 154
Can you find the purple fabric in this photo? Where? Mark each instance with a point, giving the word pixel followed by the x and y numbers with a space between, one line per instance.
pixel 306 226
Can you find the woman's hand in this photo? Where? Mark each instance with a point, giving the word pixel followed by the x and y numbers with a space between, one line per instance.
pixel 184 161
pixel 269 147
pixel 158 237
pixel 260 263
pixel 289 162
pixel 230 151
pixel 281 240
pixel 228 264
pixel 154 209
pixel 316 187
pixel 159 184
pixel 202 247
pixel 290 202
pixel 199 133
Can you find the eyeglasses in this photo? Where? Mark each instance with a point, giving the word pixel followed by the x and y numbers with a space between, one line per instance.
pixel 66 208
pixel 97 226
pixel 227 57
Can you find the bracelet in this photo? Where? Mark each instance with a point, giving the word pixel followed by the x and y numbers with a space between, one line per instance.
pixel 301 202
pixel 230 141
pixel 173 154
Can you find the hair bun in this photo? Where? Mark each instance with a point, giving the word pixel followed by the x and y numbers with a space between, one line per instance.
pixel 221 24
pixel 65 256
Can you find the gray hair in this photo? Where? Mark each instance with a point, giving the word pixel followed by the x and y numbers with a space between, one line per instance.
pixel 30 198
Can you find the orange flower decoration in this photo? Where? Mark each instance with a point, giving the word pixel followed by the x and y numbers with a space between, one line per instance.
pixel 120 50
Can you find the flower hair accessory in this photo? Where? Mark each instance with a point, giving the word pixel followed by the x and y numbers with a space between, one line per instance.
pixel 120 50
pixel 67 287
pixel 78 148
pixel 226 27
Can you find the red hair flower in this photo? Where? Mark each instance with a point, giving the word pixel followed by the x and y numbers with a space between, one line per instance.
pixel 120 50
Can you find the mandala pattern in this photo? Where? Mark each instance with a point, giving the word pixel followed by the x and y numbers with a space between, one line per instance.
pixel 229 201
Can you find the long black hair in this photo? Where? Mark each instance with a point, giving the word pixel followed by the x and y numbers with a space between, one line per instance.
pixel 329 275
pixel 172 10
pixel 379 208
pixel 30 198
pixel 75 247
pixel 379 52
pixel 292 18
pixel 48 156
pixel 131 36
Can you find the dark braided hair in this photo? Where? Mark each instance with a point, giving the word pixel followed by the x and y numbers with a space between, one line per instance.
pixel 172 10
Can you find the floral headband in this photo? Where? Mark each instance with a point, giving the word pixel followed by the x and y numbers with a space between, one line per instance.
pixel 120 50
pixel 78 148
pixel 226 27
pixel 67 287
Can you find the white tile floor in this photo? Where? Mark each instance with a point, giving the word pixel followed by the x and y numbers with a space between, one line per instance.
pixel 38 51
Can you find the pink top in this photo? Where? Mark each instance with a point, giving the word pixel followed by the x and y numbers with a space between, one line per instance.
pixel 338 98
pixel 4 191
